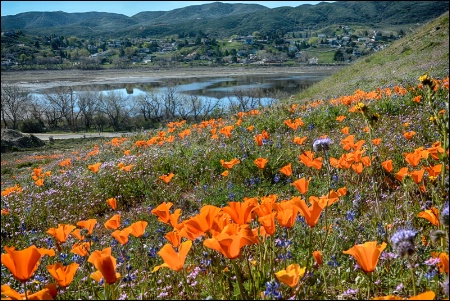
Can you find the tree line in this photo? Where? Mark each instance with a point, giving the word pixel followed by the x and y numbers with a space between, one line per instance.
pixel 95 110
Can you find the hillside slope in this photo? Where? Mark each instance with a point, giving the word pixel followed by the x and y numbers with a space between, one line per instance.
pixel 427 50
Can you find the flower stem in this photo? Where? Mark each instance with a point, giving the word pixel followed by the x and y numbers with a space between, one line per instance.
pixel 413 278
pixel 25 289
pixel 239 280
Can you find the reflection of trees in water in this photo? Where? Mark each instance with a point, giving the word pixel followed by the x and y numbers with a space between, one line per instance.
pixel 108 106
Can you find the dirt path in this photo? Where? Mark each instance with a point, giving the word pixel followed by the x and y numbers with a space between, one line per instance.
pixel 43 79
pixel 46 137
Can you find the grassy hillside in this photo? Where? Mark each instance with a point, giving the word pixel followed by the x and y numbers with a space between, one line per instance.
pixel 424 51
pixel 340 192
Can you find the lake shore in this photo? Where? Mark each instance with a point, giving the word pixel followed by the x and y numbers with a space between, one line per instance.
pixel 42 79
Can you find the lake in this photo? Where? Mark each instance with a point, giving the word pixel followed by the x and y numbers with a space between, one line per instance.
pixel 267 87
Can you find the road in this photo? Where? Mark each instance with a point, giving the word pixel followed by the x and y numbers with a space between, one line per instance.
pixel 45 137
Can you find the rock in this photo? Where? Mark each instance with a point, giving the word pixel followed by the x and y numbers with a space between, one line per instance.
pixel 15 140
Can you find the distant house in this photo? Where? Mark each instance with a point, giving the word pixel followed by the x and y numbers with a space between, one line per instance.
pixel 313 61
pixel 147 59
pixel 249 40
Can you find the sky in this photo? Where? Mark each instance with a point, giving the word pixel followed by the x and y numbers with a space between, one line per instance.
pixel 128 8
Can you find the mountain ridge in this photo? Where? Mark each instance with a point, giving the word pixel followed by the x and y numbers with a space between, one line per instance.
pixel 225 19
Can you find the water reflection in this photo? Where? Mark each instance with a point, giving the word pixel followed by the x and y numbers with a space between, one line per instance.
pixel 215 88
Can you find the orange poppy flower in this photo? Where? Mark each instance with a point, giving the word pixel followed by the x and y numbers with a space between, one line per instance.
pixel 63 274
pixel 290 124
pixel 342 191
pixel 294 125
pixel 340 118
pixel 225 173
pixel 39 182
pixel 48 293
pixel 106 264
pixel 432 215
pixel 138 228
pixel 443 263
pixel 312 213
pixel 400 175
pixel 291 275
pixel 122 235
pixel 113 223
pixel 229 164
pixel 112 202
pixel 77 234
pixel 307 158
pixel 81 248
pixel 299 140
pixel 301 185
pixel 172 259
pixel 345 130
pixel 250 128
pixel 318 257
pixel 127 152
pixel 286 217
pixel 36 173
pixel 94 167
pixel 264 209
pixel 97 276
pixel 413 159
pixel 88 224
pixel 48 252
pixel 376 141
pixel 162 212
pixel 367 254
pixel 226 131
pixel 325 200
pixel 167 178
pixel 268 222
pixel 261 162
pixel 358 167
pixel 434 171
pixel 387 165
pixel 22 264
pixel 240 212
pixel 127 168
pixel 417 175
pixel 417 99
pixel 287 170
pixel 174 237
pixel 409 135
pixel 231 239
pixel 200 223
pixel 259 139
pixel 62 232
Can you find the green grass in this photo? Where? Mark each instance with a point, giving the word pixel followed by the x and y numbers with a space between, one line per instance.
pixel 376 204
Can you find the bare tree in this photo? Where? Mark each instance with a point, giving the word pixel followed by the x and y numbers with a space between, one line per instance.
pixel 13 104
pixel 36 110
pixel 113 105
pixel 245 100
pixel 199 108
pixel 87 103
pixel 151 106
pixel 63 105
pixel 171 103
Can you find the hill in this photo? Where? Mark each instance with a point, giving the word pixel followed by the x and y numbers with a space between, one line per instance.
pixel 426 50
pixel 224 19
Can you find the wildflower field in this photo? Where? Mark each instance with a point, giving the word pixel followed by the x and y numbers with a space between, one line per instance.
pixel 337 198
